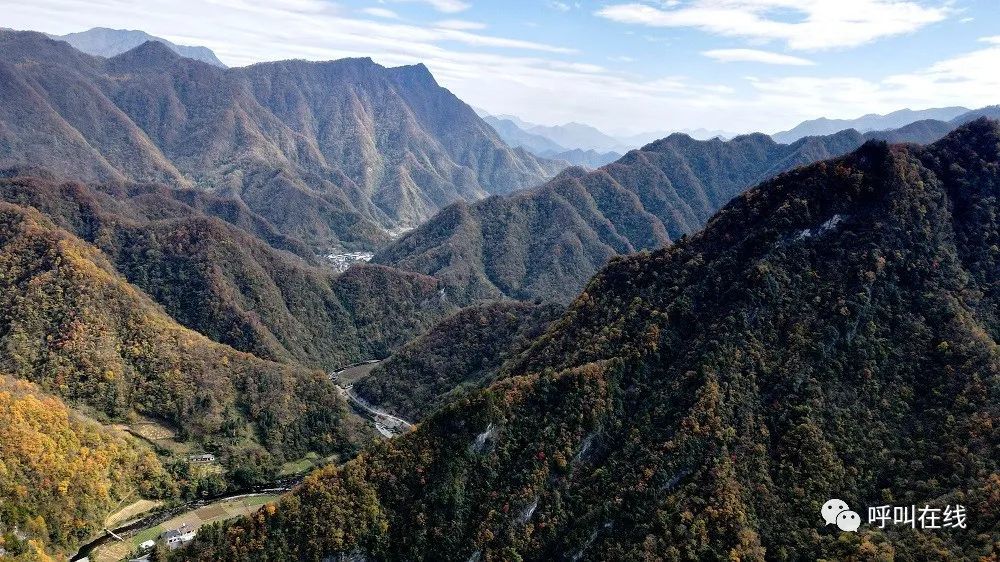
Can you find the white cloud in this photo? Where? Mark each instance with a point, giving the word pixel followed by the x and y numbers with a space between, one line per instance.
pixel 819 24
pixel 994 39
pixel 446 6
pixel 754 55
pixel 461 25
pixel 968 80
pixel 380 13
pixel 621 58
pixel 559 6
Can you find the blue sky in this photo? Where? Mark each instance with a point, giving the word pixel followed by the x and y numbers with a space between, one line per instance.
pixel 626 66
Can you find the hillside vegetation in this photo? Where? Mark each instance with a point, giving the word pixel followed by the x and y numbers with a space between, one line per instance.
pixel 831 333
pixel 62 474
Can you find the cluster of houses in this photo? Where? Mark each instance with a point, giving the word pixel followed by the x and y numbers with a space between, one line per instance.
pixel 342 262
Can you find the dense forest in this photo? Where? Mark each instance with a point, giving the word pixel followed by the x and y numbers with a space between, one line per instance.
pixel 223 280
pixel 61 474
pixel 459 353
pixel 831 333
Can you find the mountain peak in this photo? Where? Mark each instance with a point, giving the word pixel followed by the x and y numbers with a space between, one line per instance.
pixel 149 54
pixel 416 73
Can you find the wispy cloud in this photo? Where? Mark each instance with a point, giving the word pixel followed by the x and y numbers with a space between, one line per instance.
pixel 528 78
pixel 968 79
pixel 380 13
pixel 754 55
pixel 559 6
pixel 446 6
pixel 821 24
pixel 461 25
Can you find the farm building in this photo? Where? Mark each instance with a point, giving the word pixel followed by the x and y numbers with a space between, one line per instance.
pixel 175 538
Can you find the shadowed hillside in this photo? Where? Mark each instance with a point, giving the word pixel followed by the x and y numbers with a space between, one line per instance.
pixel 459 353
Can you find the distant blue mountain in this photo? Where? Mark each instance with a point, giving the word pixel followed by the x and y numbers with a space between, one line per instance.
pixel 864 124
pixel 105 42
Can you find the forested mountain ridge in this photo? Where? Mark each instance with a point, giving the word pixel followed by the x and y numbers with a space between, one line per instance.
pixel 547 242
pixel 72 325
pixel 336 154
pixel 460 352
pixel 830 333
pixel 232 287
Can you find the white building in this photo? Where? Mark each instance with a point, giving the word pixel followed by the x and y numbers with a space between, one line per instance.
pixel 175 538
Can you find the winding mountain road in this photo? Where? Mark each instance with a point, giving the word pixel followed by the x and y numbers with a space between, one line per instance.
pixel 385 423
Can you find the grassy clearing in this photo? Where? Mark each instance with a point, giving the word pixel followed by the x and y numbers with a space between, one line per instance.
pixel 306 464
pixel 130 512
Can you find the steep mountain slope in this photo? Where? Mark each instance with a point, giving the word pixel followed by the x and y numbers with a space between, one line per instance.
pixel 462 350
pixel 547 242
pixel 104 42
pixel 866 123
pixel 230 286
pixel 63 474
pixel 337 154
pixel 69 323
pixel 831 333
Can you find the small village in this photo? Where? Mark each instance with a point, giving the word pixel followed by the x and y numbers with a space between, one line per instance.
pixel 343 262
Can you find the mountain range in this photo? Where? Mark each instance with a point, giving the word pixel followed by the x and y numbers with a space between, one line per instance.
pixel 338 155
pixel 549 241
pixel 540 145
pixel 107 43
pixel 226 281
pixel 551 140
pixel 752 327
pixel 867 123
pixel 74 326
pixel 831 333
